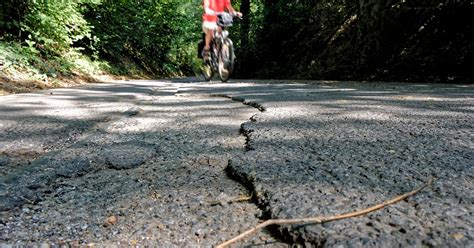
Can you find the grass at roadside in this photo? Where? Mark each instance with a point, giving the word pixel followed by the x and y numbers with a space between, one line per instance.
pixel 26 69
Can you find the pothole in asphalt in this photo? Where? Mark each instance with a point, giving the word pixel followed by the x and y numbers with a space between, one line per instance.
pixel 128 156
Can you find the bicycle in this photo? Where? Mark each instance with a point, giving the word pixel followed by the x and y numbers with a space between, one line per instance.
pixel 222 56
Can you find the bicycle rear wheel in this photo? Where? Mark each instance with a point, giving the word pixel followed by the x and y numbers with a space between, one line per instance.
pixel 226 60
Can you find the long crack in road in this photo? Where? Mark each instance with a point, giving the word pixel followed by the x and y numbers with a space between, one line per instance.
pixel 157 162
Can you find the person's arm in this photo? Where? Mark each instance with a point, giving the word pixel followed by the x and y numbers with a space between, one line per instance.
pixel 207 8
pixel 232 10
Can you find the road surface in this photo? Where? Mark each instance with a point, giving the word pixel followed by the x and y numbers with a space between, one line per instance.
pixel 172 162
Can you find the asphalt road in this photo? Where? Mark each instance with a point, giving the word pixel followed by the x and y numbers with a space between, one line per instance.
pixel 171 162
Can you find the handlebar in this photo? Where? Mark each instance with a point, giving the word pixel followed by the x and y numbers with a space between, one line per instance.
pixel 236 15
pixel 225 19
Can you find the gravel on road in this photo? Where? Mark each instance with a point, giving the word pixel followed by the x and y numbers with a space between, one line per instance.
pixel 121 164
pixel 327 148
pixel 157 162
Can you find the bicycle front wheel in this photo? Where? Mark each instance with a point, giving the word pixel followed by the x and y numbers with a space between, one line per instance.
pixel 207 71
pixel 226 60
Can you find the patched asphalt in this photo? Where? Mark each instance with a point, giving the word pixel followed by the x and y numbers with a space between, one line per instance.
pixel 166 157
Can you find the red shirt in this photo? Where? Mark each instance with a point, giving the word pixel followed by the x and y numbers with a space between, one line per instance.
pixel 215 6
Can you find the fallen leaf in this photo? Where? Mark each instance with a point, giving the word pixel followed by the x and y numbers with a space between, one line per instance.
pixel 457 236
pixel 112 220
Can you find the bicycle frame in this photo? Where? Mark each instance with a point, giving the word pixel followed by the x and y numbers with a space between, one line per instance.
pixel 219 36
pixel 222 54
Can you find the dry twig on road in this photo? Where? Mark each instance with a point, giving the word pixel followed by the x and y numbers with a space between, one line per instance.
pixel 243 198
pixel 321 220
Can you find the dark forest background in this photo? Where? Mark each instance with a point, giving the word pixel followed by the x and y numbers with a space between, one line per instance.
pixel 377 40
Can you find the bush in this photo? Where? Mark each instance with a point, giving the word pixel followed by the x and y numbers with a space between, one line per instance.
pixel 54 26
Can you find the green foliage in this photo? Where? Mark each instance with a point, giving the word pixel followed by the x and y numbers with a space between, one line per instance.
pixel 332 39
pixel 26 63
pixel 370 39
pixel 157 35
pixel 55 25
pixel 139 37
pixel 42 39
pixel 19 62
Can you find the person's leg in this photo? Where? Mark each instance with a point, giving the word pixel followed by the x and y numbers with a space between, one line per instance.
pixel 208 28
pixel 209 34
pixel 206 52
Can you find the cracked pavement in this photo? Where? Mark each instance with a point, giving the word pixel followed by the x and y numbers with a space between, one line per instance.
pixel 165 157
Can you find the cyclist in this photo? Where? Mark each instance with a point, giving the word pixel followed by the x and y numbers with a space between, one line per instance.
pixel 212 8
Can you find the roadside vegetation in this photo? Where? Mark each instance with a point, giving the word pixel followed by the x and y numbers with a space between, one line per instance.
pixel 376 40
pixel 48 43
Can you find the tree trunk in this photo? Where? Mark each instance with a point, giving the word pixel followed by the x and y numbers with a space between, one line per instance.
pixel 244 34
